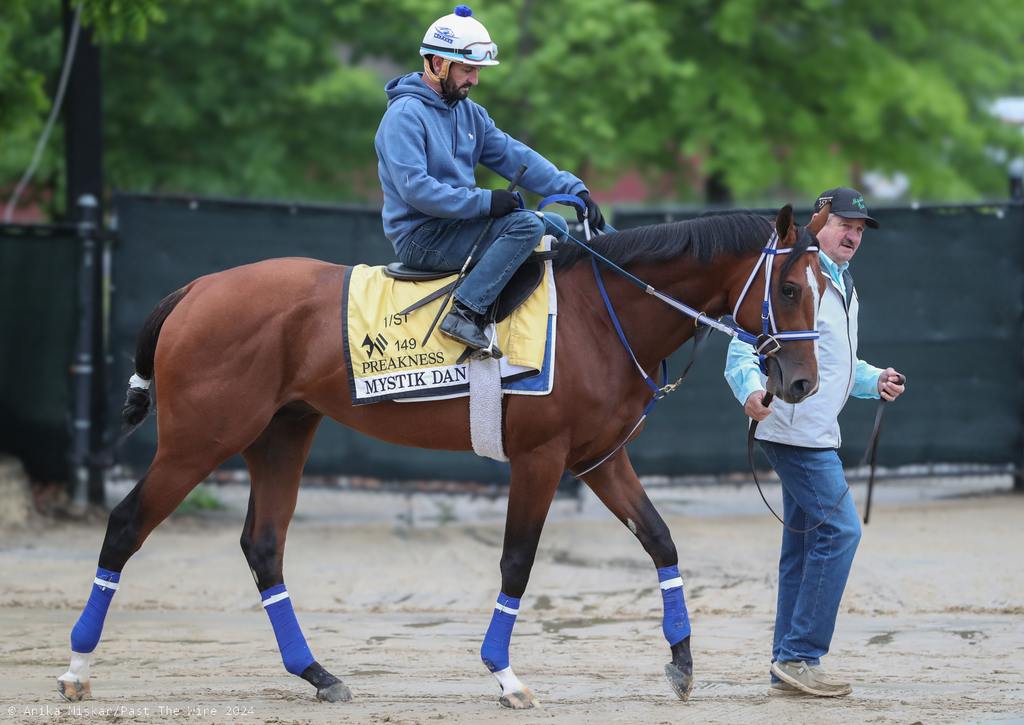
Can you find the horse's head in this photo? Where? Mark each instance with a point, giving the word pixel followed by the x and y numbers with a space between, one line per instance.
pixel 786 314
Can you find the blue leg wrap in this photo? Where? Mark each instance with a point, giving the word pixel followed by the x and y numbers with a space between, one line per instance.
pixel 494 651
pixel 676 624
pixel 87 630
pixel 294 651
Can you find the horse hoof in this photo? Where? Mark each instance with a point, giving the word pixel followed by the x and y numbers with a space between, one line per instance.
pixel 73 690
pixel 519 700
pixel 334 693
pixel 682 682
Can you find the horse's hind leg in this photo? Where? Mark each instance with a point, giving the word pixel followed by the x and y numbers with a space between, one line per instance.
pixel 195 436
pixel 168 480
pixel 618 487
pixel 275 463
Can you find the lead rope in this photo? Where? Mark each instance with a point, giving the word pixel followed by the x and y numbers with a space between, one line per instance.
pixel 870 455
pixel 766 401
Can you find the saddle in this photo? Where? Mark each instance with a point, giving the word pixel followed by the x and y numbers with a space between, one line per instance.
pixel 516 292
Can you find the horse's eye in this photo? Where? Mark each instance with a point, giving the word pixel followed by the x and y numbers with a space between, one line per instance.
pixel 789 291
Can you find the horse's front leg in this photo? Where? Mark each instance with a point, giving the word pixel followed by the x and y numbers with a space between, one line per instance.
pixel 534 479
pixel 275 463
pixel 618 487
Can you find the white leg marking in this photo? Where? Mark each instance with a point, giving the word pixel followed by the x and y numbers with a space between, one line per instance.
pixel 508 681
pixel 78 670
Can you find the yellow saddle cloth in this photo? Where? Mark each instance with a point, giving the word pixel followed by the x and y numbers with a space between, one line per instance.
pixel 386 359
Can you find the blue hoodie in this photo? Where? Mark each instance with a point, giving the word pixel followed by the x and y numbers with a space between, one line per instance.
pixel 427 153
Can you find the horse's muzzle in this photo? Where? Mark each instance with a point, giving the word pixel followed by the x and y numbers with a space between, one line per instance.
pixel 799 389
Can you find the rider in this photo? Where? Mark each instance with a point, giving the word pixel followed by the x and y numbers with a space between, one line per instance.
pixel 428 143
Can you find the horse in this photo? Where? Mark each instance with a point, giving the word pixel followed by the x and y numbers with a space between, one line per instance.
pixel 250 360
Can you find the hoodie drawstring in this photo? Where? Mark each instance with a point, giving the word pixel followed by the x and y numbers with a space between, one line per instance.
pixel 455 133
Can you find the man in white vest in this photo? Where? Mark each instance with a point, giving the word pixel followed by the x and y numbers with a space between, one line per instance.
pixel 801 442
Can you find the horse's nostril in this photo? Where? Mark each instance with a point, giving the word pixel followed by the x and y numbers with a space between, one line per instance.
pixel 800 388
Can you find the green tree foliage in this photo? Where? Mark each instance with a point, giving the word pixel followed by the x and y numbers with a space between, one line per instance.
pixel 263 98
pixel 113 20
pixel 816 91
pixel 248 98
pixel 31 42
pixel 29 52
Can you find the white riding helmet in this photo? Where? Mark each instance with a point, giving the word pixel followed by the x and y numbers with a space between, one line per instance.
pixel 461 38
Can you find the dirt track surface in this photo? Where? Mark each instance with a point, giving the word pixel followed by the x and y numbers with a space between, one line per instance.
pixel 932 627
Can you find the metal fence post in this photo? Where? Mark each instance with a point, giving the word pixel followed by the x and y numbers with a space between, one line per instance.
pixel 82 361
pixel 1016 169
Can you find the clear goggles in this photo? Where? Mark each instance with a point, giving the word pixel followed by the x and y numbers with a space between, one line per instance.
pixel 474 52
pixel 480 51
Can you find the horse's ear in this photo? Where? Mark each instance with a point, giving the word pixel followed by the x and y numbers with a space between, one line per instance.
pixel 820 217
pixel 785 225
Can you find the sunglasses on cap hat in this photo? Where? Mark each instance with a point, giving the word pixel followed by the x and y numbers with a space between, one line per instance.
pixel 846 202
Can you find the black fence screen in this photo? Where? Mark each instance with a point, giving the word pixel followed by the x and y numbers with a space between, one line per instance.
pixel 941 300
pixel 38 317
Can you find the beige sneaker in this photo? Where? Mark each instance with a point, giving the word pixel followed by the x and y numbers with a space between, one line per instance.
pixel 824 677
pixel 812 680
pixel 783 689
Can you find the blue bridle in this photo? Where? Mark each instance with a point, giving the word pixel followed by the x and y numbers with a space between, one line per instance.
pixel 766 344
pixel 769 342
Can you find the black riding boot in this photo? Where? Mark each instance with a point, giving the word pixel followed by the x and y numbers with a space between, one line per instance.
pixel 468 327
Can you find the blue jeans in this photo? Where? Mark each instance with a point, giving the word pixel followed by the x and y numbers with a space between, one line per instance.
pixel 813 567
pixel 443 245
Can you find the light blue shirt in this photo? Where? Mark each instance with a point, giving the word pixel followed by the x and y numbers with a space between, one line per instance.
pixel 833 270
pixel 744 376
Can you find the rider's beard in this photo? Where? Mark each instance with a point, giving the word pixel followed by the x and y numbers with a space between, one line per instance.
pixel 451 93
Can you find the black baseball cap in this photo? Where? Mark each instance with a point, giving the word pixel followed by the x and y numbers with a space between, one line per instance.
pixel 846 202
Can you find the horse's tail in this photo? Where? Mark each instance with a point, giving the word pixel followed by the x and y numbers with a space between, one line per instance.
pixel 136 407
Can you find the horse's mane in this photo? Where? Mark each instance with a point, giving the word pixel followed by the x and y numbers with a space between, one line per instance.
pixel 703 238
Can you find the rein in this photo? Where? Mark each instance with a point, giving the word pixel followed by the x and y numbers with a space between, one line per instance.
pixel 768 343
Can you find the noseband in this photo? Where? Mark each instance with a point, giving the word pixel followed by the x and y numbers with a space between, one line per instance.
pixel 769 342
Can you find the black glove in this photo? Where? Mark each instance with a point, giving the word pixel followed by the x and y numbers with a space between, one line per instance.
pixel 593 211
pixel 503 202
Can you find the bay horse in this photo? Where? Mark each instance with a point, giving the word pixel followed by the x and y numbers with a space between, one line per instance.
pixel 250 360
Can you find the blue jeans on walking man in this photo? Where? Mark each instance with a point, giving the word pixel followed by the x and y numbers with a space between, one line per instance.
pixel 813 567
pixel 443 244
